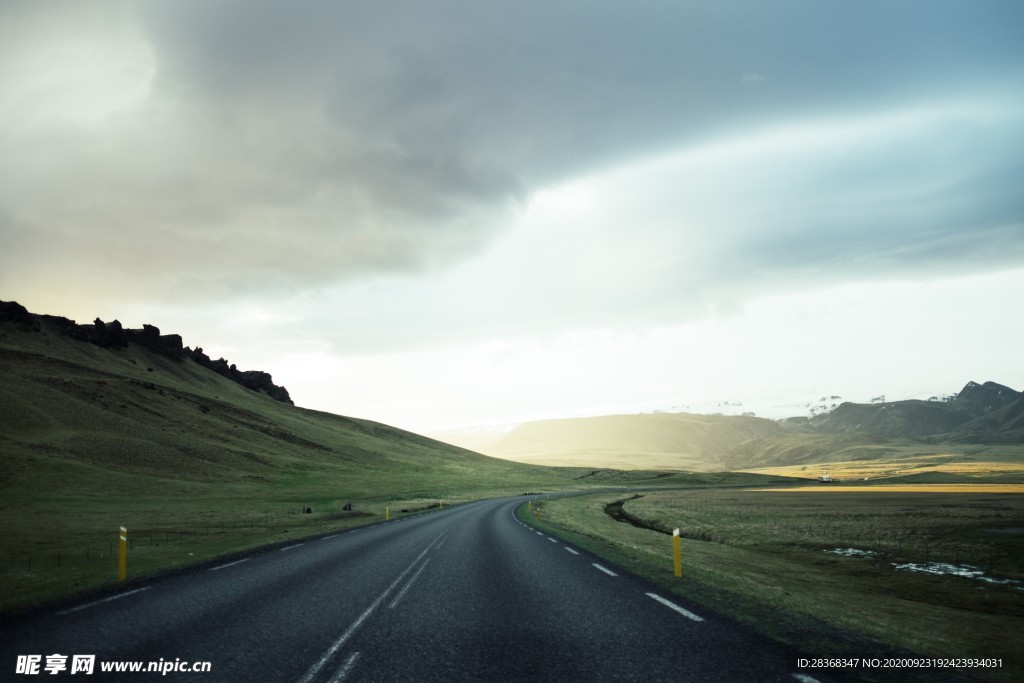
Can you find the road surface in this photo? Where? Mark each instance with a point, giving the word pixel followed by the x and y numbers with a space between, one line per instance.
pixel 468 593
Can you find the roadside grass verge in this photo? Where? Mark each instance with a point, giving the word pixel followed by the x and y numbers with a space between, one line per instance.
pixel 52 551
pixel 763 558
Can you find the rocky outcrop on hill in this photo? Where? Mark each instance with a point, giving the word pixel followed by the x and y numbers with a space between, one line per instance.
pixel 113 335
pixel 250 379
pixel 166 344
pixel 105 335
pixel 13 312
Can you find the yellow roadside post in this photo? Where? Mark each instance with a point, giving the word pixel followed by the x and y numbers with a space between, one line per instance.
pixel 677 552
pixel 122 559
pixel 387 513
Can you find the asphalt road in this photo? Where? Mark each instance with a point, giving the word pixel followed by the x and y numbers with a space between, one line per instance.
pixel 463 594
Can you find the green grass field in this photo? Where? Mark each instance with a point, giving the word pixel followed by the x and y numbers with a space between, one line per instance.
pixel 766 557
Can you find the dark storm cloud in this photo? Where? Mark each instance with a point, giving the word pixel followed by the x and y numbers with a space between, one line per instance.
pixel 545 89
pixel 274 145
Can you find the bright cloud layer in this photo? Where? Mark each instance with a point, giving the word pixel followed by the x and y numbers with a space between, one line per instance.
pixel 535 209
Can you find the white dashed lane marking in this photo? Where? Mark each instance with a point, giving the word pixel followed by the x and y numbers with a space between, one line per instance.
pixel 673 606
pixel 354 626
pixel 405 589
pixel 229 564
pixel 346 668
pixel 571 550
pixel 607 571
pixel 97 602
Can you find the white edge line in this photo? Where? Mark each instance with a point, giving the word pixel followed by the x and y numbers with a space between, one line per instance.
pixel 804 678
pixel 98 602
pixel 673 606
pixel 326 537
pixel 552 540
pixel 346 668
pixel 607 571
pixel 571 550
pixel 229 564
pixel 291 546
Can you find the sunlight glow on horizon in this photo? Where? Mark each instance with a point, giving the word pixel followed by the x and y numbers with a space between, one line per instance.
pixel 748 356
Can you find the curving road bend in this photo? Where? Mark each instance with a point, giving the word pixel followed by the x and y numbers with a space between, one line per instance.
pixel 464 594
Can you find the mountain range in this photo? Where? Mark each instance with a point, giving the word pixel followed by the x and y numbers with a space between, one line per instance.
pixel 987 413
pixel 984 413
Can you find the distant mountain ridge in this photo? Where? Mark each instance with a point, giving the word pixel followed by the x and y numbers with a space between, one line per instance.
pixel 974 414
pixel 654 440
pixel 113 335
pixel 987 413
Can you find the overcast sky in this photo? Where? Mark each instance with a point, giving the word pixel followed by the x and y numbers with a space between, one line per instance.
pixel 438 214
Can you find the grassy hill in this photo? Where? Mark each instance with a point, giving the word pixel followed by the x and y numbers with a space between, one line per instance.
pixel 194 464
pixel 110 414
pixel 652 441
